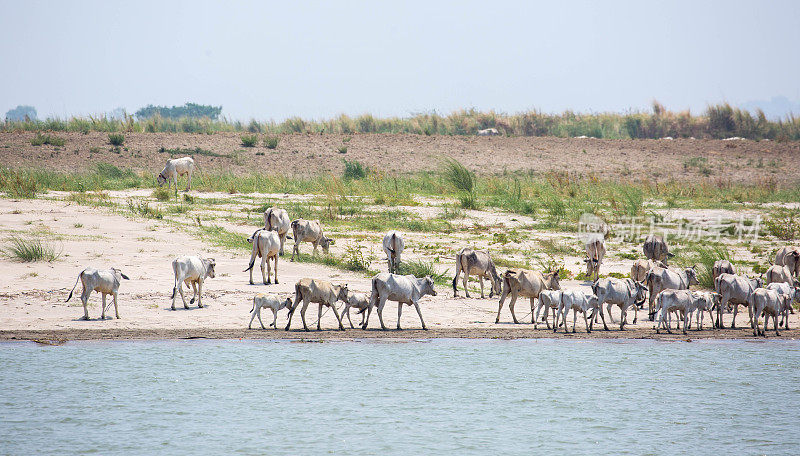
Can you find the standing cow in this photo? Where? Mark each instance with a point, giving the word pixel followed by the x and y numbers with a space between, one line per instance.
pixel 735 290
pixel 655 248
pixel 476 262
pixel 309 231
pixel 595 251
pixel 176 167
pixel 191 270
pixel 528 284
pixel 659 279
pixel 266 245
pixel 790 257
pixel 621 292
pixel 393 246
pixel 321 292
pixel 404 289
pixel 722 267
pixel 278 220
pixel 104 281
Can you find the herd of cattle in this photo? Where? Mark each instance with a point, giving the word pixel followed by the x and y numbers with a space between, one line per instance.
pixel 667 290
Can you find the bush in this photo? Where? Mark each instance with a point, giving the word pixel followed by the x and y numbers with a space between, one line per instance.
pixel 355 259
pixel 271 142
pixel 116 139
pixel 421 268
pixel 18 184
pixel 41 139
pixel 354 170
pixel 783 225
pixel 342 149
pixel 29 250
pixel 463 180
pixel 142 208
pixel 161 194
pixel 249 140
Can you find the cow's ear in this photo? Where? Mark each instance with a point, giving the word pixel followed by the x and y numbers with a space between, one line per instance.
pixel 124 276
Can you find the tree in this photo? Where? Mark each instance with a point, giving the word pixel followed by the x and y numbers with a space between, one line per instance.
pixel 21 113
pixel 188 110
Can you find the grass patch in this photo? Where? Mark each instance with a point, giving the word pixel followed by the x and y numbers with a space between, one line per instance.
pixel 271 142
pixel 41 139
pixel 463 180
pixel 422 268
pixel 354 170
pixel 31 250
pixel 116 139
pixel 249 140
pixel 195 151
pixel 142 208
pixel 783 224
pixel 161 194
pixel 703 256
pixel 18 184
pixel 342 149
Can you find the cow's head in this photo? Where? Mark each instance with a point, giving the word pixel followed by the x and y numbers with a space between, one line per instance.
pixel 427 287
pixel 287 303
pixel 119 275
pixel 591 265
pixel 551 280
pixel 639 292
pixel 691 277
pixel 497 283
pixel 161 179
pixel 209 263
pixel 325 243
pixel 341 294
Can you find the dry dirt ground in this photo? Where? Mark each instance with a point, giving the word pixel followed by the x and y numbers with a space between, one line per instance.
pixel 308 154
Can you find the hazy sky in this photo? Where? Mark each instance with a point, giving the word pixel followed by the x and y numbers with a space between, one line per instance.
pixel 271 60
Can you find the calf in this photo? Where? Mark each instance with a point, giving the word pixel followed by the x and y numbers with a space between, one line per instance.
pixel 360 302
pixel 476 262
pixel 309 231
pixel 549 299
pixel 176 167
pixel 671 300
pixel 659 279
pixel 794 296
pixel 274 303
pixel 105 281
pixel 321 292
pixel 706 301
pixel 266 245
pixel 191 270
pixel 393 246
pixel 578 301
pixel 772 304
pixel 404 289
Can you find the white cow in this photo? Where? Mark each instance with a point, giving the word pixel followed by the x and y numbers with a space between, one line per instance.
pixel 640 268
pixel 321 292
pixel 794 296
pixel 790 257
pixel 683 302
pixel 191 270
pixel 549 299
pixel 488 132
pixel 393 246
pixel 176 167
pixel 622 292
pixel 476 262
pixel 360 302
pixel 525 283
pixel 658 279
pixel 278 220
pixel 779 274
pixel 404 289
pixel 707 301
pixel 772 304
pixel 595 251
pixel 105 281
pixel 270 301
pixel 578 301
pixel 309 231
pixel 735 290
pixel 266 245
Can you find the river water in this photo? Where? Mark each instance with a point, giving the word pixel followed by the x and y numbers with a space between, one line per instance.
pixel 456 397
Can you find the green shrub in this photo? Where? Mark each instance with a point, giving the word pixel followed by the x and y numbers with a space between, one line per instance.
pixel 271 142
pixel 142 208
pixel 41 139
pixel 354 170
pixel 355 259
pixel 422 268
pixel 249 140
pixel 342 149
pixel 783 224
pixel 161 193
pixel 30 250
pixel 18 184
pixel 116 139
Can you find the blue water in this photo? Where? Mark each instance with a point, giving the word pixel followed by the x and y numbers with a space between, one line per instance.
pixel 406 398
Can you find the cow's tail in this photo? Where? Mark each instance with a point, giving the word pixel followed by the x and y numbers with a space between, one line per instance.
pixel 254 305
pixel 458 271
pixel 256 252
pixel 176 284
pixel 594 286
pixel 73 287
pixel 373 298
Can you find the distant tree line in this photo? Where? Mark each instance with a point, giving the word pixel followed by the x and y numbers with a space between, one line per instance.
pixel 190 110
pixel 21 113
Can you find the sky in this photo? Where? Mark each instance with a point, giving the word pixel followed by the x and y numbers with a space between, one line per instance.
pixel 318 59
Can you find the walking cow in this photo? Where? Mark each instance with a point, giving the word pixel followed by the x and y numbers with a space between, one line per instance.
pixel 105 281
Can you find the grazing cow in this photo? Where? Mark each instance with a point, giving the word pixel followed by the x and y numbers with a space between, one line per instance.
pixel 270 301
pixel 789 257
pixel 595 251
pixel 405 289
pixel 176 167
pixel 640 268
pixel 266 245
pixel 360 302
pixel 278 220
pixel 658 279
pixel 722 267
pixel 528 284
pixel 681 301
pixel 393 246
pixel 488 132
pixel 476 262
pixel 734 290
pixel 779 274
pixel 772 304
pixel 655 248
pixel 105 281
pixel 323 293
pixel 191 270
pixel 788 290
pixel 309 231
pixel 549 299
pixel 578 301
pixel 622 292
pixel 707 301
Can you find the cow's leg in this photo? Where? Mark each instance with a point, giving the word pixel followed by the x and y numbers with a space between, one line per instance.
pixel 500 306
pixel 685 322
pixel 274 319
pixel 775 323
pixel 381 305
pixel 189 183
pixel 256 309
pixel 319 318
pixel 116 309
pixel 263 273
pixel 399 312
pixel 533 317
pixel 275 266
pixel 200 293
pixel 623 317
pixel 338 317
pixel 282 237
pixel 365 317
pixel 574 318
pixel 346 311
pixel 314 243
pixel 511 307
pixel 295 249
pixel 303 312
pixel 608 309
pixel 183 298
pixel 466 281
pixel 416 306
pixel 589 324
pixel 735 311
pixel 85 301
pixel 480 279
